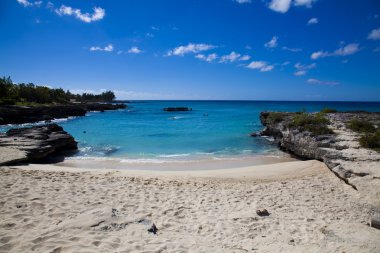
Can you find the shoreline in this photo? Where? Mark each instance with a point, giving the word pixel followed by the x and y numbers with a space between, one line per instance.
pixel 175 164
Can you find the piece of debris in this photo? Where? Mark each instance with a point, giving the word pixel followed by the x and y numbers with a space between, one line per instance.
pixel 263 212
pixel 115 212
pixel 153 229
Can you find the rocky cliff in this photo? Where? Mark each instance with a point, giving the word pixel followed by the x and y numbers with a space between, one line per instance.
pixel 339 150
pixel 25 114
pixel 34 143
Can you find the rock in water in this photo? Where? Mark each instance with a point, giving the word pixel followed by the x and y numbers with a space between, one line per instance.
pixel 177 109
pixel 34 143
pixel 153 229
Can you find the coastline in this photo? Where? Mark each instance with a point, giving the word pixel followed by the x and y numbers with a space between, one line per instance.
pixel 67 209
pixel 174 164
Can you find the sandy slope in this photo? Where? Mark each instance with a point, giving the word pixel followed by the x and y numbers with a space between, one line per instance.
pixel 53 209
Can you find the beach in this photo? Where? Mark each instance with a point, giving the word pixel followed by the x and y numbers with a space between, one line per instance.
pixel 53 208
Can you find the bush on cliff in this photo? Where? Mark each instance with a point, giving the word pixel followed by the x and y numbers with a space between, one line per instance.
pixel 371 140
pixel 275 117
pixel 328 110
pixel 316 124
pixel 361 126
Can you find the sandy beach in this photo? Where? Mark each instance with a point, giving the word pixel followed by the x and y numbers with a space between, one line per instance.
pixel 49 208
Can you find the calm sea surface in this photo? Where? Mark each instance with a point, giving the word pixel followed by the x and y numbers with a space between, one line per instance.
pixel 212 129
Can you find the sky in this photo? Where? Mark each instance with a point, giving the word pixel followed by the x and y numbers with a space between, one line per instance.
pixel 320 50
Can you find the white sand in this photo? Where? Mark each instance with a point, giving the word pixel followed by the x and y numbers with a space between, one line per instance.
pixel 45 208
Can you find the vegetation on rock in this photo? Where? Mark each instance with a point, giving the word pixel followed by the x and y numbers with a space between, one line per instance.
pixel 371 137
pixel 328 110
pixel 361 126
pixel 316 124
pixel 275 117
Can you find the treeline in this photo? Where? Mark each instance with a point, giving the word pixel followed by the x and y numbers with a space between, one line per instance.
pixel 11 93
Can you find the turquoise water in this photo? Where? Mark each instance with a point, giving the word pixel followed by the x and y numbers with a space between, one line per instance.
pixel 212 128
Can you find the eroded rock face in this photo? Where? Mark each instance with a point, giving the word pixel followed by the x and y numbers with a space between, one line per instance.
pixel 34 143
pixel 341 151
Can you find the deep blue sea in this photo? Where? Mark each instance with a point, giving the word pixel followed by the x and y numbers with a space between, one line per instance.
pixel 211 129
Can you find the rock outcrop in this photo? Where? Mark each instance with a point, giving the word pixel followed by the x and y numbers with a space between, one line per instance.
pixel 29 114
pixel 34 143
pixel 177 109
pixel 341 151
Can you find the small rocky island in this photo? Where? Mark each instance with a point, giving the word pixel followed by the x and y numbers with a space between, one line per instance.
pixel 177 109
pixel 347 142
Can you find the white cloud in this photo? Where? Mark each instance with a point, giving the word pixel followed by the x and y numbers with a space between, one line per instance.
pixel 243 1
pixel 245 58
pixel 190 48
pixel 134 50
pixel 300 73
pixel 307 3
pixel 233 56
pixel 260 65
pixel 98 13
pixel 281 6
pixel 108 48
pixel 294 50
pixel 313 21
pixel 272 43
pixel 342 51
pixel 319 82
pixel 230 57
pixel 26 3
pixel 374 34
pixel 319 54
pixel 208 58
pixel 301 69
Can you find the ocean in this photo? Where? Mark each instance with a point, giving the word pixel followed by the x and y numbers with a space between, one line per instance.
pixel 213 129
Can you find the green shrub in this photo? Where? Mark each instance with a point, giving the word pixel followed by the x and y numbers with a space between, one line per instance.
pixel 328 110
pixel 275 117
pixel 316 124
pixel 361 126
pixel 371 141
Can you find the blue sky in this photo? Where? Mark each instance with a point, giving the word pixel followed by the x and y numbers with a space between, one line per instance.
pixel 200 49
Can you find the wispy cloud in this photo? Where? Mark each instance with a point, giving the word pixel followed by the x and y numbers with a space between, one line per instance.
pixel 281 6
pixel 260 65
pixel 374 34
pixel 98 13
pixel 306 3
pixel 190 48
pixel 134 50
pixel 27 3
pixel 208 58
pixel 313 21
pixel 294 50
pixel 108 48
pixel 301 69
pixel 272 43
pixel 342 51
pixel 233 56
pixel 319 82
pixel 242 1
